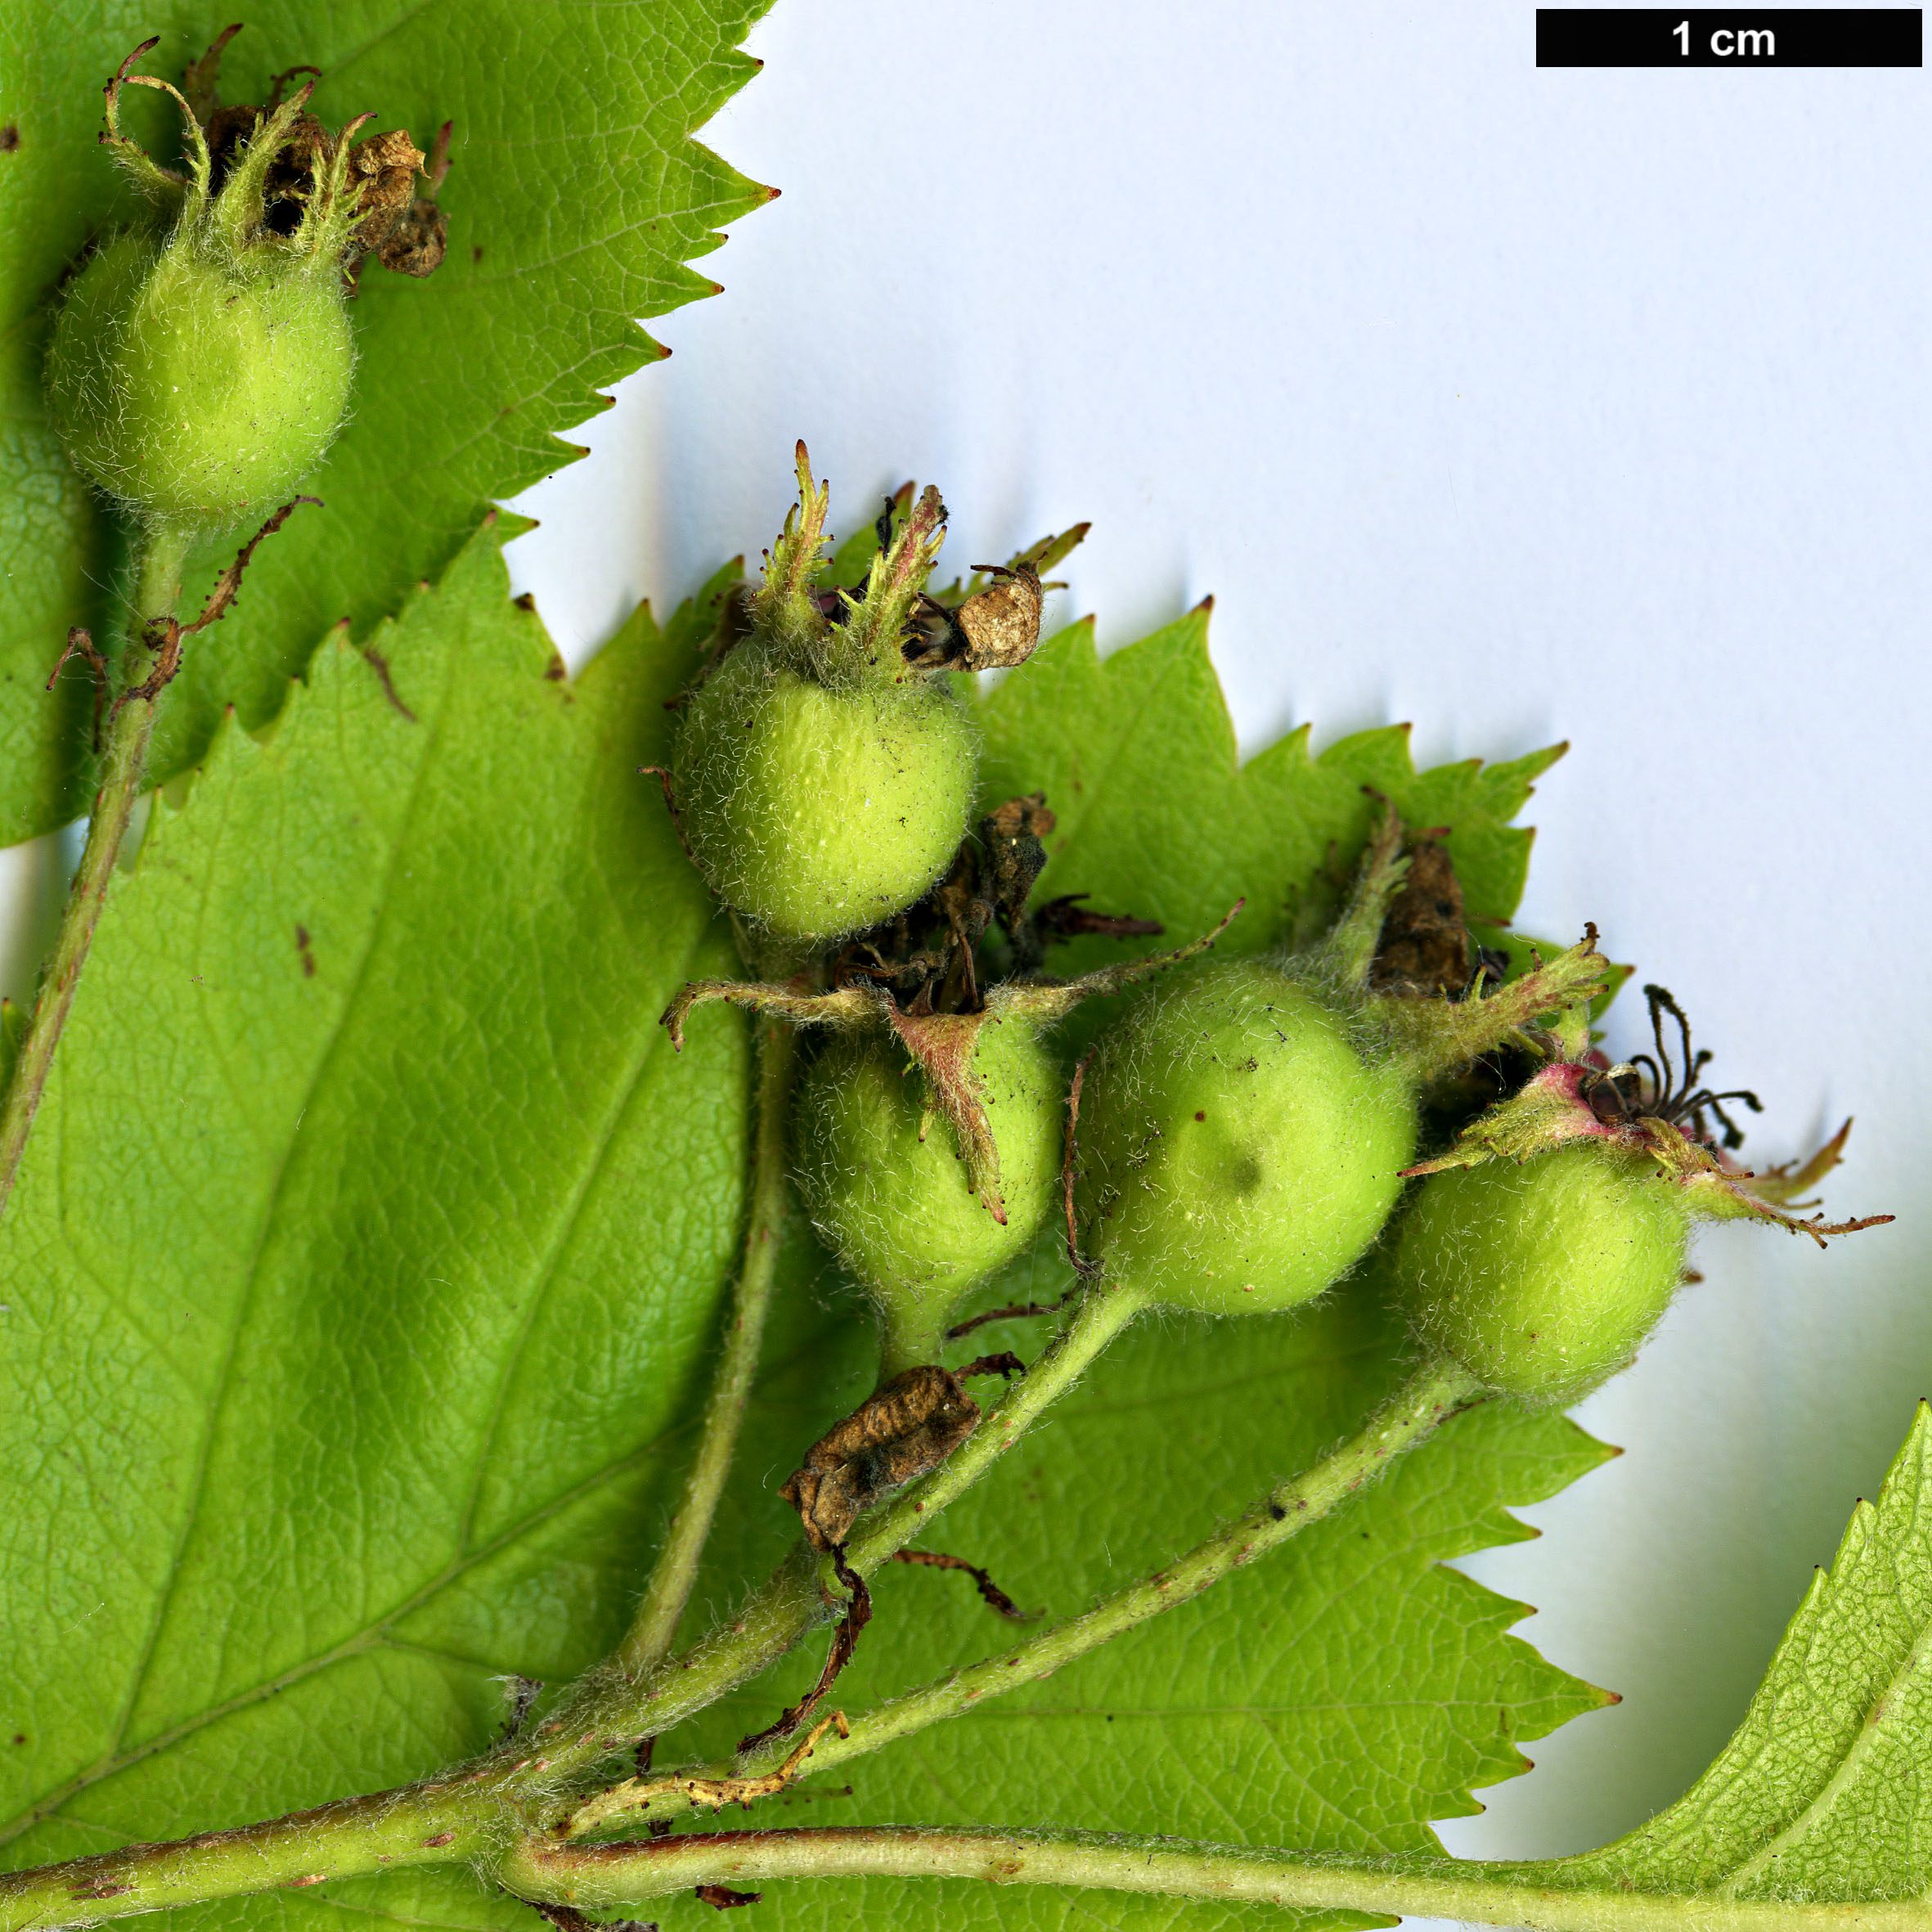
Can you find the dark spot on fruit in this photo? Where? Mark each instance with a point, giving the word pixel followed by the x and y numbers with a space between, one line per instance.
pixel 1200 1116
pixel 476 255
pixel 10 138
pixel 20 1737
pixel 308 957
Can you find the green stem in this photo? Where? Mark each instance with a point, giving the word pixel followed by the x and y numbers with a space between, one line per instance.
pixel 908 1338
pixel 602 1877
pixel 1427 1399
pixel 1104 1311
pixel 612 1710
pixel 429 1824
pixel 163 552
pixel 669 1589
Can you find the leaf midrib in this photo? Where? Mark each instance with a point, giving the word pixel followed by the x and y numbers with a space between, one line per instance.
pixel 372 1636
pixel 1869 1729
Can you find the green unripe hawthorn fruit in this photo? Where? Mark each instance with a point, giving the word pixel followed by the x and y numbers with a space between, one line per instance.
pixel 1240 1137
pixel 1238 1151
pixel 191 391
pixel 1543 1279
pixel 818 809
pixel 199 365
pixel 823 776
pixel 889 1188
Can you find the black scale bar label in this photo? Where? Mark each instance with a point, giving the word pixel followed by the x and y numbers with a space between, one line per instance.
pixel 1730 36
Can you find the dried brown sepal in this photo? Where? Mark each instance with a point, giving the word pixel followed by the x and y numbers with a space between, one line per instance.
pixel 899 1433
pixel 1425 950
pixel 990 1592
pixel 200 79
pixel 1065 917
pixel 844 1008
pixel 1439 1036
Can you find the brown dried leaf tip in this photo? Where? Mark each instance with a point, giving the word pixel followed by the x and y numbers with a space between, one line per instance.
pixel 904 1430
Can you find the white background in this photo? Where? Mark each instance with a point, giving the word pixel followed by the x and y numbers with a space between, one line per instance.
pixel 1525 405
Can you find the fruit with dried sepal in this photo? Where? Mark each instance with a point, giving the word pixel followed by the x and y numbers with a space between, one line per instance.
pixel 1242 1130
pixel 928 1128
pixel 202 361
pixel 823 771
pixel 1545 1246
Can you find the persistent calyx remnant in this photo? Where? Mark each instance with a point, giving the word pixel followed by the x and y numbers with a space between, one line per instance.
pixel 201 361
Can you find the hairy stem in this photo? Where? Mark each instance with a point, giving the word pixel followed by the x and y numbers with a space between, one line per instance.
pixel 430 1824
pixel 163 551
pixel 1531 1895
pixel 1104 1311
pixel 611 1710
pixel 1427 1399
pixel 655 1624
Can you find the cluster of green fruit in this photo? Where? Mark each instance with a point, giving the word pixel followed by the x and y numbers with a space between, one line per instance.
pixel 1246 1130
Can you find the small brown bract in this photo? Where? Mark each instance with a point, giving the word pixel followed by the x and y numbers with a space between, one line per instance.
pixel 1425 946
pixel 907 1427
pixel 1001 623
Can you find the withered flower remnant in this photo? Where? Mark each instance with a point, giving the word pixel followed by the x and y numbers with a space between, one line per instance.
pixel 1547 1243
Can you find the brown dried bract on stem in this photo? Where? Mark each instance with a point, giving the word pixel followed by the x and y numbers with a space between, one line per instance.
pixel 845 1640
pixel 897 1433
pixel 163 635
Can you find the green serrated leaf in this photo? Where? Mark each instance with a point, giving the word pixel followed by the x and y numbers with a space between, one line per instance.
pixel 351 1331
pixel 360 1370
pixel 1158 818
pixel 1821 1795
pixel 575 198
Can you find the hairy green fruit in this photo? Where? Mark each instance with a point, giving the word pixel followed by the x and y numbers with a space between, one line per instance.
pixel 193 392
pixel 889 1188
pixel 1236 1152
pixel 818 809
pixel 201 363
pixel 1543 1279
